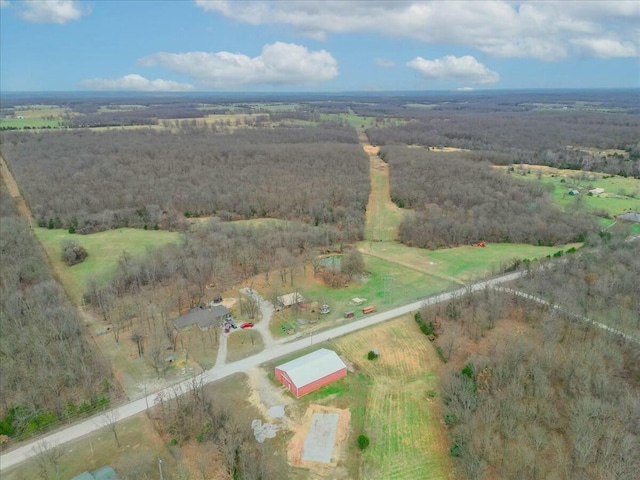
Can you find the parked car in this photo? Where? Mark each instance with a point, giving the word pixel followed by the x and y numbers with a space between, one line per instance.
pixel 232 323
pixel 246 325
pixel 325 309
pixel 217 300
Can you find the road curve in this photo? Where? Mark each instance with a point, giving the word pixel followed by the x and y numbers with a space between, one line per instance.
pixel 14 457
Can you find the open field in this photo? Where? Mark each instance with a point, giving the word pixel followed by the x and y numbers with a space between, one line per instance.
pixel 383 216
pixel 104 248
pixel 620 195
pixel 458 263
pixel 34 116
pixel 403 412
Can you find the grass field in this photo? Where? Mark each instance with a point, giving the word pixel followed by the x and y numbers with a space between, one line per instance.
pixel 104 248
pixel 388 284
pixel 383 216
pixel 403 412
pixel 459 263
pixel 34 116
pixel 620 195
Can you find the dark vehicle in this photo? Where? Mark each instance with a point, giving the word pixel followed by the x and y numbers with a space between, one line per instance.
pixel 349 314
pixel 217 300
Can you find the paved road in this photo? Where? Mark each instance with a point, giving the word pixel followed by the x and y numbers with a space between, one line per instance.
pixel 275 350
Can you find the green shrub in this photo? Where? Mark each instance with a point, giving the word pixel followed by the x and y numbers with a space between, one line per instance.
pixel 363 441
pixel 372 355
pixel 456 450
pixel 441 354
pixel 451 419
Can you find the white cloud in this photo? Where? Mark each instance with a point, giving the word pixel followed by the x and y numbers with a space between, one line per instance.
pixel 278 64
pixel 384 63
pixel 548 31
pixel 605 47
pixel 466 70
pixel 4 3
pixel 138 83
pixel 52 11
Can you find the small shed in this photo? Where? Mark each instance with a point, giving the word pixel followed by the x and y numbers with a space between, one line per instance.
pixel 204 318
pixel 290 299
pixel 312 371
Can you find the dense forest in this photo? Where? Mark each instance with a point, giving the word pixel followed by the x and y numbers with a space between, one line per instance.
pixel 99 180
pixel 458 200
pixel 48 369
pixel 531 392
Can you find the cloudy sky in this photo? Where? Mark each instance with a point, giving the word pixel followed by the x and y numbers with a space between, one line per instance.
pixel 328 46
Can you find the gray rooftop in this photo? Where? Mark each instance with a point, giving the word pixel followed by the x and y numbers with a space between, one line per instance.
pixel 203 317
pixel 313 366
pixel 630 217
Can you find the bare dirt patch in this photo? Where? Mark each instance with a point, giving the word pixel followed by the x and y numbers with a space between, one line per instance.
pixel 297 444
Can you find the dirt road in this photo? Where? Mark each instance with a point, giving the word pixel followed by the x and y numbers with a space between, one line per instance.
pixel 14 457
pixel 14 191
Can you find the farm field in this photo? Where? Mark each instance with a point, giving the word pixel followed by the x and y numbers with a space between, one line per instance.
pixel 34 116
pixel 104 248
pixel 621 194
pixel 403 411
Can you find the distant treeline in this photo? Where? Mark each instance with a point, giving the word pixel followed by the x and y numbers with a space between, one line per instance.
pixel 94 181
pixel 542 138
pixel 459 200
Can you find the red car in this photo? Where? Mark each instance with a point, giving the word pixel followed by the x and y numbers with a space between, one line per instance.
pixel 246 325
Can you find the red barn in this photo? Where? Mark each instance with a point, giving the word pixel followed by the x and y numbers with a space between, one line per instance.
pixel 310 372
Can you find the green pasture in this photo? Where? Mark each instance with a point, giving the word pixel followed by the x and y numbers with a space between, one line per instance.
pixel 621 194
pixel 28 123
pixel 104 248
pixel 459 263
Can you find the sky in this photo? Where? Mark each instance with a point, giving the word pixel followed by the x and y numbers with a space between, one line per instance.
pixel 317 46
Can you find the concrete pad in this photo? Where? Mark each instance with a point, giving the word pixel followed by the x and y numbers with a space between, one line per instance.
pixel 318 446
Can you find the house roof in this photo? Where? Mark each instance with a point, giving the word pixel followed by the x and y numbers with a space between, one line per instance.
pixel 312 367
pixel 290 299
pixel 630 217
pixel 203 317
pixel 103 473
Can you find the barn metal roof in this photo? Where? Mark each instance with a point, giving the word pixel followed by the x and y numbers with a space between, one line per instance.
pixel 312 367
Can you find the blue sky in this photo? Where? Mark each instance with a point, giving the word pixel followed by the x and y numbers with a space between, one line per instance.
pixel 52 45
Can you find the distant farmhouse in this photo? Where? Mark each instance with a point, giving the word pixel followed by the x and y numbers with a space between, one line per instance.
pixel 310 372
pixel 290 299
pixel 103 473
pixel 633 217
pixel 204 318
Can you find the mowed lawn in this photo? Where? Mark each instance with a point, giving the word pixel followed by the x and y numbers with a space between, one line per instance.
pixel 104 248
pixel 403 410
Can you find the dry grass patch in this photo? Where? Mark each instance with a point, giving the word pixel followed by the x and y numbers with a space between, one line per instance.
pixel 402 420
pixel 243 343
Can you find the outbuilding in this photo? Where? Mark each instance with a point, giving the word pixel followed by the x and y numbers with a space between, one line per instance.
pixel 310 372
